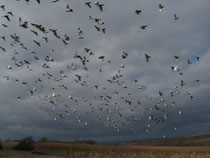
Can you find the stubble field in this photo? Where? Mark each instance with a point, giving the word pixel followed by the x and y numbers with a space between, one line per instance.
pixel 64 150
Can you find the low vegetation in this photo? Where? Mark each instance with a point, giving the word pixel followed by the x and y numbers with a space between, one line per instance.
pixel 27 144
pixel 1 146
pixel 44 140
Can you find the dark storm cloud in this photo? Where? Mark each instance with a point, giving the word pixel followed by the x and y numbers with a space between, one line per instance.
pixel 164 38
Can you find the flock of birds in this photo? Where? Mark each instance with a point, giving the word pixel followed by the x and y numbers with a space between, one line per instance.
pixel 109 104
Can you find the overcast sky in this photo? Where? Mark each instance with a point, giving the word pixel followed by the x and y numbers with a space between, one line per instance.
pixel 95 110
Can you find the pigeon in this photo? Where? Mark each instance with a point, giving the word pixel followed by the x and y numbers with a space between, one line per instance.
pixel 2 48
pixel 68 9
pixel 4 25
pixel 10 13
pixel 138 12
pixel 46 39
pixel 2 7
pixel 176 17
pixel 101 7
pixel 191 97
pixel 124 55
pixel 182 83
pixel 6 16
pixel 90 17
pixel 103 30
pixel 54 1
pixel 37 43
pixel 160 93
pixel 23 24
pixel 38 1
pixel 143 27
pixel 88 51
pixel 9 67
pixel 88 4
pixel 160 6
pixel 27 1
pixel 175 68
pixel 18 97
pixel 28 68
pixel 101 58
pixel 3 37
pixel 40 27
pixel 97 28
pixel 147 57
pixel 176 58
pixel 54 31
pixel 180 112
pixel 36 33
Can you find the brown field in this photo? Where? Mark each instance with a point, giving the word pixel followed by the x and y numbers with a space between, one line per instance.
pixel 196 140
pixel 65 150
pixel 64 146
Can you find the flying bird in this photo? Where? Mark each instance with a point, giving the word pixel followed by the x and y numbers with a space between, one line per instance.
pixel 88 4
pixel 2 7
pixel 147 57
pixel 176 58
pixel 160 93
pixel 18 97
pixel 101 58
pixel 90 17
pixel 37 43
pixel 143 27
pixel 2 48
pixel 46 39
pixel 97 28
pixel 176 17
pixel 3 37
pixel 4 25
pixel 88 51
pixel 36 33
pixel 27 1
pixel 9 67
pixel 160 6
pixel 68 9
pixel 54 1
pixel 180 112
pixel 10 13
pixel 103 30
pixel 23 24
pixel 6 16
pixel 100 6
pixel 175 68
pixel 182 83
pixel 138 12
pixel 124 55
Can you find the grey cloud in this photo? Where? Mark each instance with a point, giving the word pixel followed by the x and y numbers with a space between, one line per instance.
pixel 186 37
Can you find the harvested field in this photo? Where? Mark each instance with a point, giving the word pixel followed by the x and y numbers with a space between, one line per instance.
pixel 65 150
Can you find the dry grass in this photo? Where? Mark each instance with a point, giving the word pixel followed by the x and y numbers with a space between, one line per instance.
pixel 9 145
pixel 63 150
pixel 21 154
pixel 53 146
